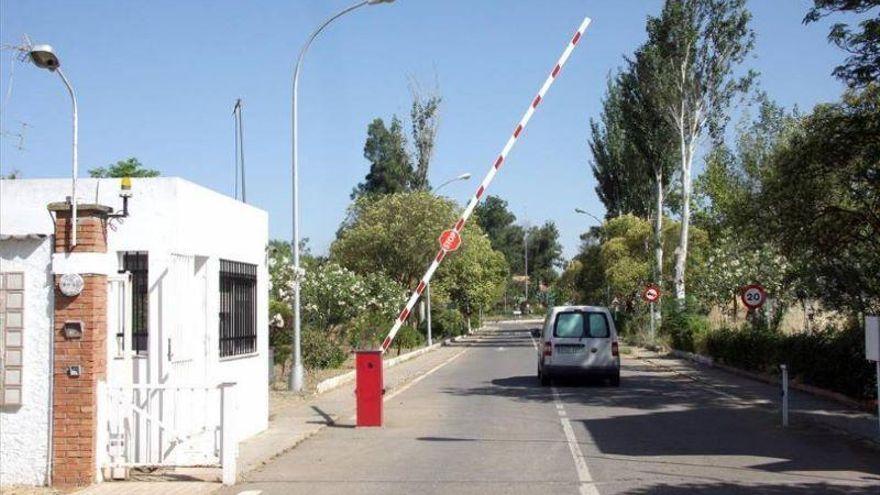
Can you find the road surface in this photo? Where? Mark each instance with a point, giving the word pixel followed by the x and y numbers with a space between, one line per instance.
pixel 482 424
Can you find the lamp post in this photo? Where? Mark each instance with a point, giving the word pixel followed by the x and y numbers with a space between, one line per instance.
pixel 43 56
pixel 464 176
pixel 295 381
pixel 584 212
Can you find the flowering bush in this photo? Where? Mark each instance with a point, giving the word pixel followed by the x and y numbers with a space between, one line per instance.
pixel 334 300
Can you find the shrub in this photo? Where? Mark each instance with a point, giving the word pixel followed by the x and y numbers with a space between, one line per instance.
pixel 447 323
pixel 831 359
pixel 320 350
pixel 408 337
pixel 687 329
pixel 368 329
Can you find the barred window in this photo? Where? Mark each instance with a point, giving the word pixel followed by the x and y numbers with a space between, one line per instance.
pixel 136 263
pixel 238 308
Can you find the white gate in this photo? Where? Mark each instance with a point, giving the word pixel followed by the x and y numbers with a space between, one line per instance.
pixel 168 424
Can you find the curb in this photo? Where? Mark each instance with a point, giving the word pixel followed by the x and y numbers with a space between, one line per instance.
pixel 336 381
pixel 867 440
pixel 773 380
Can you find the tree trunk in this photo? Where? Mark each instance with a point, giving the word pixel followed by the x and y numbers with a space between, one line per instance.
pixel 658 233
pixel 682 251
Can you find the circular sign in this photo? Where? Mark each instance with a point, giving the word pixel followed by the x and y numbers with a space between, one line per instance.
pixel 753 296
pixel 71 284
pixel 652 293
pixel 450 240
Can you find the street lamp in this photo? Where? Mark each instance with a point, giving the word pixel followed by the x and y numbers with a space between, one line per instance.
pixel 464 176
pixel 295 382
pixel 594 217
pixel 584 212
pixel 43 56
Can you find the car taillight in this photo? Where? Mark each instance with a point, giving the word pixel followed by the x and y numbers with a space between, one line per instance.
pixel 548 349
pixel 615 351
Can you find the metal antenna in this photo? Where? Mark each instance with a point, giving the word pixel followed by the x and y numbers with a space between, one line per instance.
pixel 235 146
pixel 239 149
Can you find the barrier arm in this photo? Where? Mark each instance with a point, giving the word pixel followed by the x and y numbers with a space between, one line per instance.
pixel 453 236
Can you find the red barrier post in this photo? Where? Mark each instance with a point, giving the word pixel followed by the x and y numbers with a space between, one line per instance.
pixel 370 387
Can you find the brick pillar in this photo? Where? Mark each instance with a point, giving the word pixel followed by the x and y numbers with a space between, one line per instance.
pixel 74 399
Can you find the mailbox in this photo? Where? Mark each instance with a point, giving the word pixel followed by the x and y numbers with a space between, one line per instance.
pixel 370 387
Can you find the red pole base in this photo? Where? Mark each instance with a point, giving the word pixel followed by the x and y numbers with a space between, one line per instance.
pixel 369 388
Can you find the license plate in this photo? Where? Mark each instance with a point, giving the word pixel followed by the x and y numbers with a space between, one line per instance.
pixel 568 349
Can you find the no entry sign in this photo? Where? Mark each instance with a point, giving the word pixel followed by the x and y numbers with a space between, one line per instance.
pixel 450 240
pixel 753 296
pixel 652 293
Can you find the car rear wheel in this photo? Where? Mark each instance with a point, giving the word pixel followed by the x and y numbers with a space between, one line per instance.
pixel 544 378
pixel 615 380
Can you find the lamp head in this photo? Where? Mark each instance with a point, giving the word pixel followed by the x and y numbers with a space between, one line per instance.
pixel 464 176
pixel 374 2
pixel 578 210
pixel 43 56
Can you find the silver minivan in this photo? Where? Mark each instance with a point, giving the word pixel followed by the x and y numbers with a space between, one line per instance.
pixel 578 341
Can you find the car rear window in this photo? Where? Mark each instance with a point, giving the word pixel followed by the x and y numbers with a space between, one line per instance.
pixel 578 324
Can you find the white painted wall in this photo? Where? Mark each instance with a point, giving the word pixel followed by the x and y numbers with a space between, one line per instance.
pixel 24 429
pixel 170 216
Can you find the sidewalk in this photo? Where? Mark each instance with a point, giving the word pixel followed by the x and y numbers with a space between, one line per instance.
pixel 292 419
pixel 804 408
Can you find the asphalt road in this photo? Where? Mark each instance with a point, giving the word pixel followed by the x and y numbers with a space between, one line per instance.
pixel 482 424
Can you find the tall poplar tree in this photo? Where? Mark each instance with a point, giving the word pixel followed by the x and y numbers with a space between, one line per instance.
pixel 689 63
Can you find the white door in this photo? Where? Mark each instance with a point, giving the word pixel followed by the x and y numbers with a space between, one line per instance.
pixel 119 337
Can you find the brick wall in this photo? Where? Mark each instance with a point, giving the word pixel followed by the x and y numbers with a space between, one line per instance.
pixel 91 232
pixel 75 397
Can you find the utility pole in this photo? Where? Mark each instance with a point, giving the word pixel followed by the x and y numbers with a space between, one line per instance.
pixel 526 258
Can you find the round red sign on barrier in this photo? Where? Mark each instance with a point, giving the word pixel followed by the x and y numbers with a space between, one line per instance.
pixel 754 296
pixel 450 240
pixel 652 293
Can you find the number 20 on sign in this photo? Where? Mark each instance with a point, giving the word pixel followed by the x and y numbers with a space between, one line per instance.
pixel 753 296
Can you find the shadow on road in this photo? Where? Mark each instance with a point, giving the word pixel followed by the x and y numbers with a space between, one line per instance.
pixel 732 489
pixel 655 414
pixel 712 431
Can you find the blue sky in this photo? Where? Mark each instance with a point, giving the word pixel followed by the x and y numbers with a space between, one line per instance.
pixel 157 80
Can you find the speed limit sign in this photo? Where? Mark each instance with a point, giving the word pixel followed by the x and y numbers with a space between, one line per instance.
pixel 753 296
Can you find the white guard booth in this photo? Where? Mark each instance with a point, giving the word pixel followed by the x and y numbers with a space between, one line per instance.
pixel 187 318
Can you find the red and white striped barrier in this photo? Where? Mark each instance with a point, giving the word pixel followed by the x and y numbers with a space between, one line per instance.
pixel 493 170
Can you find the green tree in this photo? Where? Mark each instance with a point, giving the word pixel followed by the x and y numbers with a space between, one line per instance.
pixel 545 253
pixel 391 169
pixel 544 249
pixel 654 141
pixel 624 255
pixel 124 168
pixel 498 222
pixel 727 192
pixel 622 181
pixel 476 278
pixel 862 67
pixel 822 195
pixel 689 63
pixel 396 235
pixel 590 282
